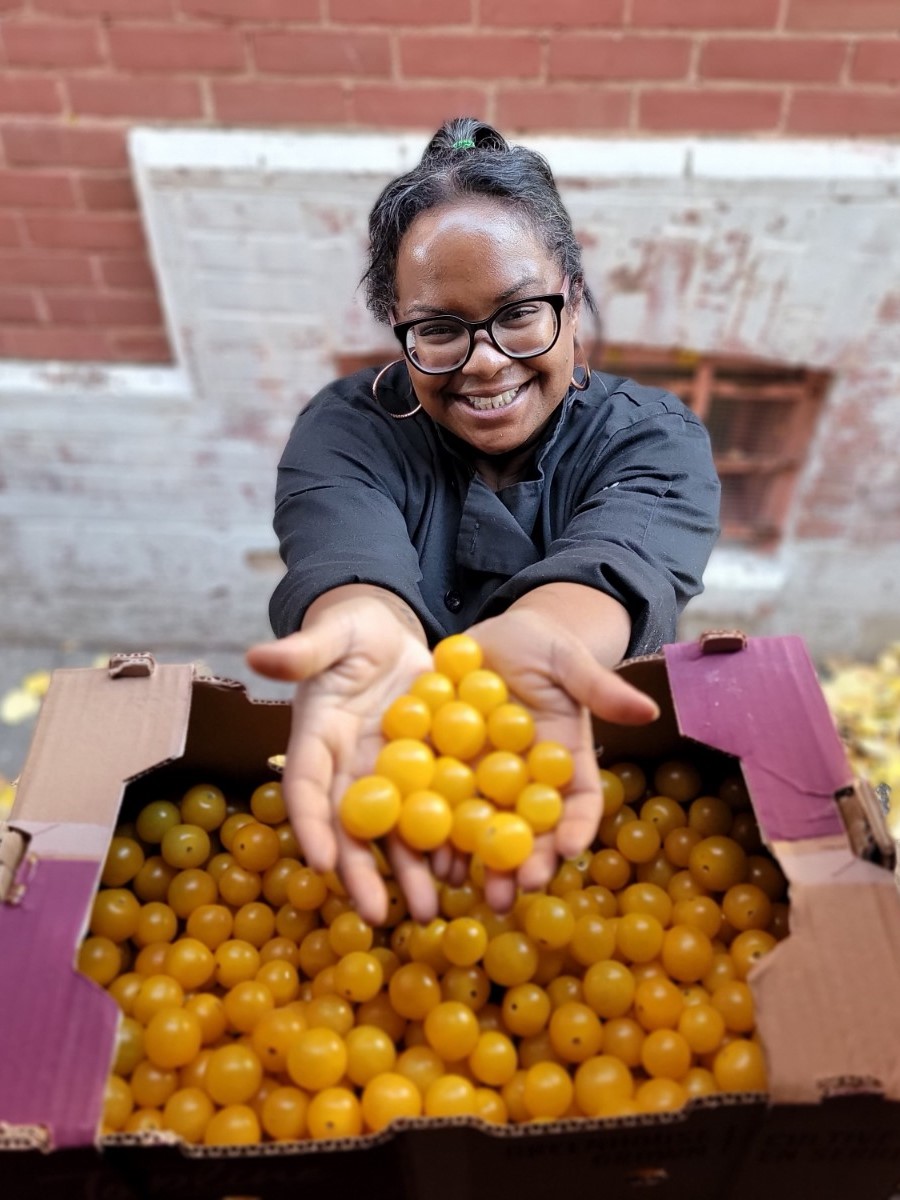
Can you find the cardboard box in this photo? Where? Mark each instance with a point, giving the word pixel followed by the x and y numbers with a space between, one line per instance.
pixel 828 997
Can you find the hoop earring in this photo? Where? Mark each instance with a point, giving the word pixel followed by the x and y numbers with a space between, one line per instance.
pixel 585 383
pixel 375 382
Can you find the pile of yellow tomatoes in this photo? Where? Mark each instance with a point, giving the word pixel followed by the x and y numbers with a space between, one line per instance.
pixel 258 1005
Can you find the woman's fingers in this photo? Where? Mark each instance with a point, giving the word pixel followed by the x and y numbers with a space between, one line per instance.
pixel 442 861
pixel 578 825
pixel 306 784
pixel 459 869
pixel 499 890
pixel 541 866
pixel 361 878
pixel 414 877
pixel 583 803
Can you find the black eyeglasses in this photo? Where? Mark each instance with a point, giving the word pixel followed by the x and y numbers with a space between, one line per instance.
pixel 521 329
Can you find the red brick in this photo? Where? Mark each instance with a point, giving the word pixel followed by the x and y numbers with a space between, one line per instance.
pixel 527 109
pixel 151 347
pixel 588 56
pixel 45 144
pixel 877 62
pixel 18 305
pixel 252 10
pixel 48 44
pixel 10 230
pixel 195 49
pixel 105 8
pixel 791 60
pixel 51 342
pixel 78 308
pixel 36 189
pixel 476 56
pixel 29 94
pixel 39 267
pixel 705 14
pixel 703 110
pixel 853 16
pixel 127 271
pixel 850 113
pixel 401 12
pixel 106 96
pixel 83 231
pixel 323 53
pixel 558 14
pixel 108 192
pixel 280 103
pixel 412 107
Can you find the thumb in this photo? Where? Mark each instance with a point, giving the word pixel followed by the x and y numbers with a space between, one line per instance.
pixel 602 691
pixel 299 655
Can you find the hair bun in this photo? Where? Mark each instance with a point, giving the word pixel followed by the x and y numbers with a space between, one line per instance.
pixel 461 135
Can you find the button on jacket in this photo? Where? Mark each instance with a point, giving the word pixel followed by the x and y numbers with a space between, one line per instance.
pixel 622 496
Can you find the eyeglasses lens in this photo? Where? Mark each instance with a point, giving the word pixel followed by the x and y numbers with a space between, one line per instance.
pixel 521 330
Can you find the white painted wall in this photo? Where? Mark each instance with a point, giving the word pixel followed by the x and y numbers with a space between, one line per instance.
pixel 136 504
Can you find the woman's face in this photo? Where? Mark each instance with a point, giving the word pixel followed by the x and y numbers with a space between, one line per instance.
pixel 467 259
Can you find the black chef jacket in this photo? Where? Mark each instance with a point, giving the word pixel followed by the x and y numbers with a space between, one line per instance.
pixel 622 497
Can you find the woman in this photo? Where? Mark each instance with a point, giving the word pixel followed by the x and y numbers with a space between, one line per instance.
pixel 486 481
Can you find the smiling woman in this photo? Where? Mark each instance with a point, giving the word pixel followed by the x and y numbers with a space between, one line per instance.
pixel 495 388
pixel 486 481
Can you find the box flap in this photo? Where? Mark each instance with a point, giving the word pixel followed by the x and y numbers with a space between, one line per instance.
pixel 764 704
pixel 828 996
pixel 57 1028
pixel 95 731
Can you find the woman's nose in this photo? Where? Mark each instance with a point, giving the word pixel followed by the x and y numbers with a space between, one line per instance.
pixel 486 359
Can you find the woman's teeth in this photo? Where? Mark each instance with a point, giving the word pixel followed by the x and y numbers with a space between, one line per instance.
pixel 501 401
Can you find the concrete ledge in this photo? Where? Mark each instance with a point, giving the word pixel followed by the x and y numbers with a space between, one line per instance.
pixel 48 378
pixel 591 158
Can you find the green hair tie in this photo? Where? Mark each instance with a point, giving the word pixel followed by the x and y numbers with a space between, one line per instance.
pixel 463 144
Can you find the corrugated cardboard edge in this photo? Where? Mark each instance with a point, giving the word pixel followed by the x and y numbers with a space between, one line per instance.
pixel 24 1137
pixel 580 1126
pixel 57 1034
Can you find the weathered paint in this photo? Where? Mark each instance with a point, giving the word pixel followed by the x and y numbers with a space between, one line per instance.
pixel 148 515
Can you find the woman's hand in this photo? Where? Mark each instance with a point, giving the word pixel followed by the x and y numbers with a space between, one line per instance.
pixel 358 649
pixel 554 674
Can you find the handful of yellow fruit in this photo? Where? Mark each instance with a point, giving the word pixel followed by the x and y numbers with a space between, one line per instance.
pixel 461 766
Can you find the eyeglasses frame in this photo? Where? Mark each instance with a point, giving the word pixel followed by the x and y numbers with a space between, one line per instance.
pixel 557 300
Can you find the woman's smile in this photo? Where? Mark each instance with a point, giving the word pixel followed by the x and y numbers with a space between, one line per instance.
pixel 493 401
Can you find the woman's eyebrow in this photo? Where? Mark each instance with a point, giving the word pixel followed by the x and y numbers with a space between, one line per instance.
pixel 529 281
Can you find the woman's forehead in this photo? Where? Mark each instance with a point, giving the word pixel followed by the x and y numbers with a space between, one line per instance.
pixel 468 255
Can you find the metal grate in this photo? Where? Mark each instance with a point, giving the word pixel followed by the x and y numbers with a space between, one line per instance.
pixel 760 415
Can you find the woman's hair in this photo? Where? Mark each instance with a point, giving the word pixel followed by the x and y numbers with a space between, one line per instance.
pixel 467 158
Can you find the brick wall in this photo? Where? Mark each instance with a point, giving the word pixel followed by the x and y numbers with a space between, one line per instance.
pixel 75 279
